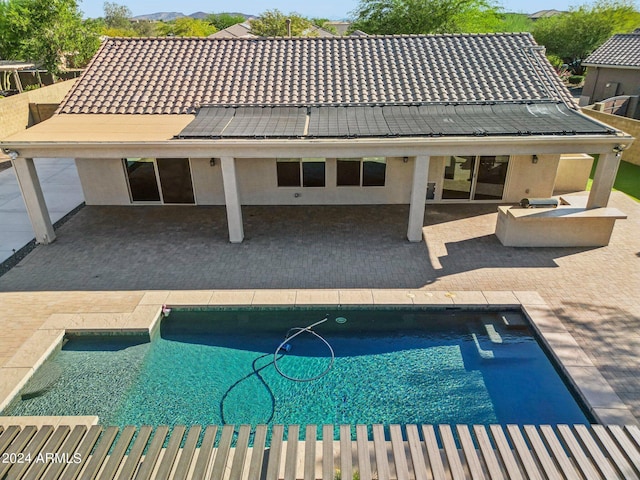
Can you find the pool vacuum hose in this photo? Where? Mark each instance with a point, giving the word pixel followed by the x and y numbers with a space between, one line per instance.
pixel 285 347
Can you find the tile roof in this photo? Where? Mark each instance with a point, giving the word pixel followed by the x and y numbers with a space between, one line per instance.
pixel 620 50
pixel 242 30
pixel 177 75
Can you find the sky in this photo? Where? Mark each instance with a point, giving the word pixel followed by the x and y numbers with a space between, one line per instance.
pixel 332 9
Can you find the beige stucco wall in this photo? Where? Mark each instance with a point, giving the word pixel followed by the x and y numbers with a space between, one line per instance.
pixel 14 110
pixel 627 125
pixel 598 77
pixel 258 186
pixel 528 179
pixel 207 182
pixel 103 181
pixel 573 173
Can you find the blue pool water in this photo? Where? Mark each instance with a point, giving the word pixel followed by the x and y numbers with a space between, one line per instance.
pixel 391 366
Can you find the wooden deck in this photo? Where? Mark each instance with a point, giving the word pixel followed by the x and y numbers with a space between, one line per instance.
pixel 377 452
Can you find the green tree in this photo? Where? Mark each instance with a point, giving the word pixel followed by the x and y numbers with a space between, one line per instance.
pixel 387 17
pixel 224 20
pixel 574 35
pixel 516 22
pixel 48 32
pixel 186 27
pixel 323 23
pixel 273 23
pixel 117 16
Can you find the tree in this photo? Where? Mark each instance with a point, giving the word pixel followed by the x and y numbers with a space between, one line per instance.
pixel 186 27
pixel 273 23
pixel 574 35
pixel 48 32
pixel 324 24
pixel 384 17
pixel 224 20
pixel 117 16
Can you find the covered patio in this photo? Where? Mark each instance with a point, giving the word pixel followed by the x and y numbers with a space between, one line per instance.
pixel 127 136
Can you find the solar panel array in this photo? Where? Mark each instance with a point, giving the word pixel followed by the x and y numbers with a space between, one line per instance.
pixel 390 121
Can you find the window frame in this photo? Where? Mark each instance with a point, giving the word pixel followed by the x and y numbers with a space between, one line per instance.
pixel 301 171
pixel 361 171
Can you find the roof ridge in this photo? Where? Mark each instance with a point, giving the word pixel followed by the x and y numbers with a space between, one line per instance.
pixel 328 39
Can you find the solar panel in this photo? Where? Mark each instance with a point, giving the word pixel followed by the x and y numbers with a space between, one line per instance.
pixel 267 122
pixel 209 122
pixel 393 120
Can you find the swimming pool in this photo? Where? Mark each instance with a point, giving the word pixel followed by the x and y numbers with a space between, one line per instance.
pixel 391 366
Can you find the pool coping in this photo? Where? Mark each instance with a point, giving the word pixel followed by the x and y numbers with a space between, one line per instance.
pixel 595 392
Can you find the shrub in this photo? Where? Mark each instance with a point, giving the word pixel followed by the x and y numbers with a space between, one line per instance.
pixel 576 79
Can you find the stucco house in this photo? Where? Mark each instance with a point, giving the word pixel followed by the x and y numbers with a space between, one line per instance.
pixel 316 121
pixel 613 69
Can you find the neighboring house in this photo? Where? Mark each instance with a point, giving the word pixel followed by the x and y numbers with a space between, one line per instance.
pixel 316 121
pixel 544 14
pixel 243 30
pixel 239 30
pixel 340 27
pixel 613 69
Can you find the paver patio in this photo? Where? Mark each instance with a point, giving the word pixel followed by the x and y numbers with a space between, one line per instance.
pixel 114 254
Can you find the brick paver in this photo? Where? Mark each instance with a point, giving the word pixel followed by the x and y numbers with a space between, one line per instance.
pixel 594 291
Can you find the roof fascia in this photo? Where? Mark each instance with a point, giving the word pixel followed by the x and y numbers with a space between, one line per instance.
pixel 606 65
pixel 329 148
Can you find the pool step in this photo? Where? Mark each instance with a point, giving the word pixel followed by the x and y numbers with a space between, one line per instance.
pixel 492 333
pixel 393 452
pixel 485 354
pixel 514 320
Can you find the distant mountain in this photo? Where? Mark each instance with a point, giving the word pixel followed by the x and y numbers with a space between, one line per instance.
pixel 200 15
pixel 168 16
pixel 164 16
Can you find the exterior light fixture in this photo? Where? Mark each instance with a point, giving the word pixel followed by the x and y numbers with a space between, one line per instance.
pixel 12 153
pixel 212 162
pixel 405 159
pixel 620 148
pixel 534 159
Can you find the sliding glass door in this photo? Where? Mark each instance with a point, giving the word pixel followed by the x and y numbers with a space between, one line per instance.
pixel 175 180
pixel 162 180
pixel 475 177
pixel 143 184
pixel 458 177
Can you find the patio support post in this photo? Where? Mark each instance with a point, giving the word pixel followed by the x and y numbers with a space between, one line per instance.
pixel 34 199
pixel 418 197
pixel 603 179
pixel 232 199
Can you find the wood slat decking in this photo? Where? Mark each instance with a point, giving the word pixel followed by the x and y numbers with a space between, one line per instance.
pixel 292 453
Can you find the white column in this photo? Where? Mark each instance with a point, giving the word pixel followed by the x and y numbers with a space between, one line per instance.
pixel 232 199
pixel 34 199
pixel 418 198
pixel 603 180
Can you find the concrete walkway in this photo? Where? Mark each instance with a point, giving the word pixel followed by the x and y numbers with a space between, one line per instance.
pixel 62 192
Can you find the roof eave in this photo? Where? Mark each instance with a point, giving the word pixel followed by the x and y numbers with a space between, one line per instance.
pixel 610 65
pixel 268 148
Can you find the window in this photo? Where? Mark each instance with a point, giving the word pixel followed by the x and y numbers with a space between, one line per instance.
pixel 366 172
pixel 305 172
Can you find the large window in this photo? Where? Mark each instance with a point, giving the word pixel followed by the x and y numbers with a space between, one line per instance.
pixel 165 180
pixel 366 172
pixel 297 172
